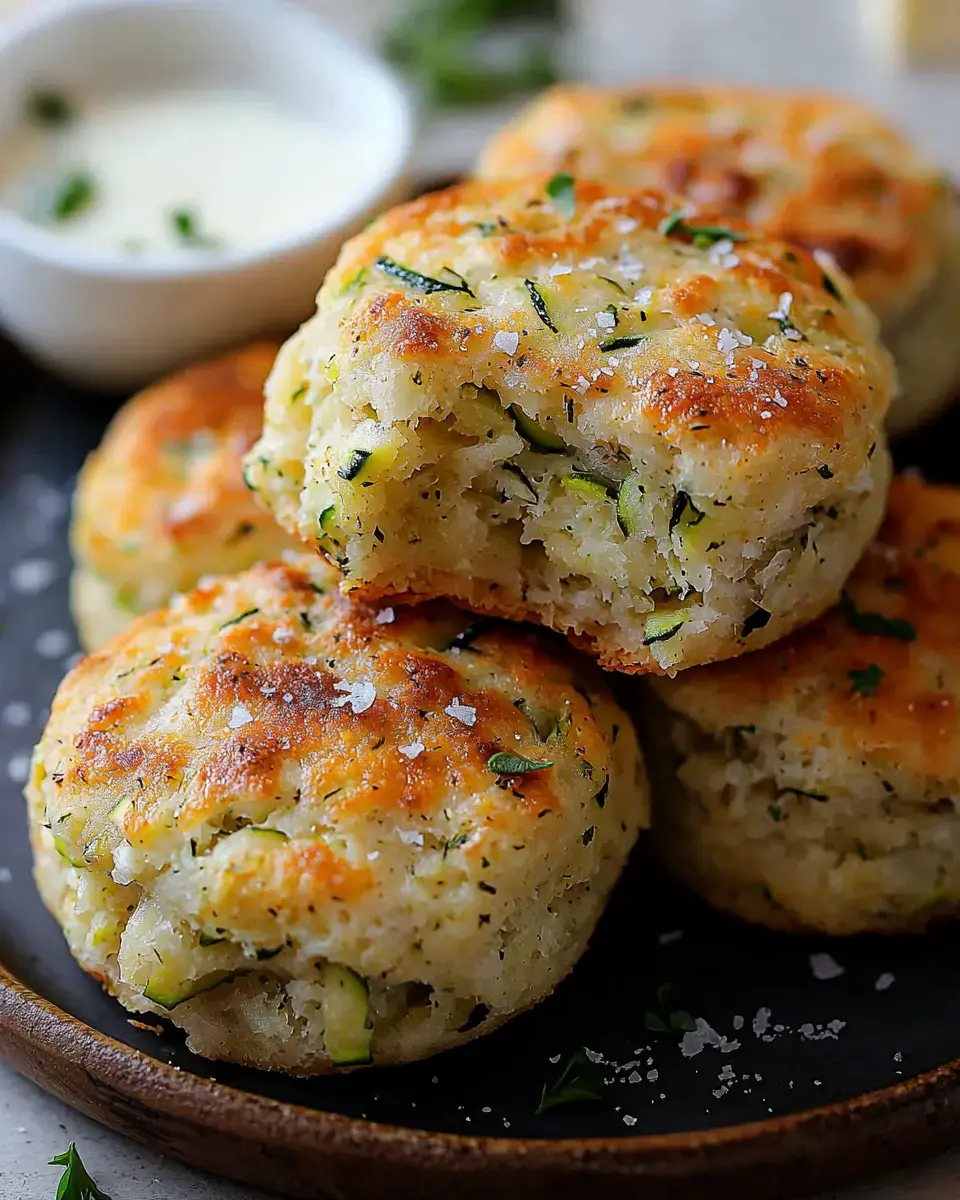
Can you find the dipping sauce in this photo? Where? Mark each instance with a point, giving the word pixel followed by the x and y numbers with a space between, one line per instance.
pixel 177 173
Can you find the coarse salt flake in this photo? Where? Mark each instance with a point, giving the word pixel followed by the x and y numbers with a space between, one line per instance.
pixel 884 981
pixel 410 837
pixel 825 966
pixel 360 695
pixel 464 713
pixel 706 319
pixel 507 340
pixel 414 750
pixel 386 616
pixel 240 715
pixel 673 372
pixel 782 311
pixel 605 320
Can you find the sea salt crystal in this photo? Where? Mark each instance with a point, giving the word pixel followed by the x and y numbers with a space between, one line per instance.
pixel 507 341
pixel 761 1021
pixel 464 713
pixel 605 320
pixel 410 837
pixel 239 716
pixel 782 311
pixel 706 319
pixel 726 342
pixel 625 225
pixel 673 372
pixel 628 1120
pixel 884 981
pixel 674 935
pixel 825 966
pixel 281 635
pixel 560 269
pixel 414 750
pixel 386 616
pixel 360 695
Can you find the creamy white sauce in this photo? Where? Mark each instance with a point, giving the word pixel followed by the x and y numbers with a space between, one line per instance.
pixel 244 169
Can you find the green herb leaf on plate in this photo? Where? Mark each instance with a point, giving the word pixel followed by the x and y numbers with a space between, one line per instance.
pixel 577 1083
pixel 187 229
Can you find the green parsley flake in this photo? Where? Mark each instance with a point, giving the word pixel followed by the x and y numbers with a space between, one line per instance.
pixel 560 189
pixel 703 236
pixel 419 281
pixel 866 681
pixel 506 763
pixel 51 109
pixel 186 228
pixel 577 1083
pixel 74 196
pixel 875 624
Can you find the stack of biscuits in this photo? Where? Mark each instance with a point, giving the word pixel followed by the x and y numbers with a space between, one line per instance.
pixel 338 782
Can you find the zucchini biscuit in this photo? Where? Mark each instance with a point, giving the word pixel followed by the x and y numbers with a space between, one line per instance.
pixel 162 502
pixel 555 402
pixel 816 785
pixel 825 172
pixel 316 833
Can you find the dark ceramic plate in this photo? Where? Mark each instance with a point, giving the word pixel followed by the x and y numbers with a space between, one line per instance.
pixel 794 1082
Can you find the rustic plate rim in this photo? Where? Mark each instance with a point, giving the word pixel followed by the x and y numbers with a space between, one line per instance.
pixel 48 1029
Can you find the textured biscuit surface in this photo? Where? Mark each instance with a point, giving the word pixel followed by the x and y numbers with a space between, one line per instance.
pixel 162 502
pixel 817 783
pixel 823 171
pixel 577 410
pixel 266 779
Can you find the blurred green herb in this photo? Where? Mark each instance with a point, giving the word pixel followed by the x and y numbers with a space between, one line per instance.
pixel 187 229
pixel 579 1082
pixel 874 623
pixel 440 45
pixel 75 1184
pixel 50 108
pixel 865 682
pixel 561 190
pixel 74 196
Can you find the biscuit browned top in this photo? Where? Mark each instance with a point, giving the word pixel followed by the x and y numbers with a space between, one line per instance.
pixel 883 669
pixel 164 495
pixel 822 171
pixel 735 349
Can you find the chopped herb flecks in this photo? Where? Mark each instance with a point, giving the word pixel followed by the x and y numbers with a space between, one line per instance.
pixel 702 235
pixel 681 505
pixel 242 617
pixel 560 189
pixel 540 305
pixel 414 279
pixel 824 471
pixel 627 342
pixel 866 681
pixel 74 196
pixel 187 229
pixel 506 763
pixel 50 108
pixel 579 1082
pixel 876 624
pixel 820 797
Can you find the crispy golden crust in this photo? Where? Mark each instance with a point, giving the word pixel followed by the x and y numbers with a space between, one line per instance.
pixel 726 374
pixel 911 573
pixel 163 501
pixel 816 783
pixel 268 765
pixel 819 170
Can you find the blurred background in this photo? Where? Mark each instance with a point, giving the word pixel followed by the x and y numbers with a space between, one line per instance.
pixel 473 61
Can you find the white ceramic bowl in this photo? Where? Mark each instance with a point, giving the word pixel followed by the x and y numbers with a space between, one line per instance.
pixel 113 322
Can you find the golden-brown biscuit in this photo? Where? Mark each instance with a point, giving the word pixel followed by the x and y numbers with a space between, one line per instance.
pixel 162 502
pixel 823 171
pixel 816 784
pixel 318 833
pixel 576 409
